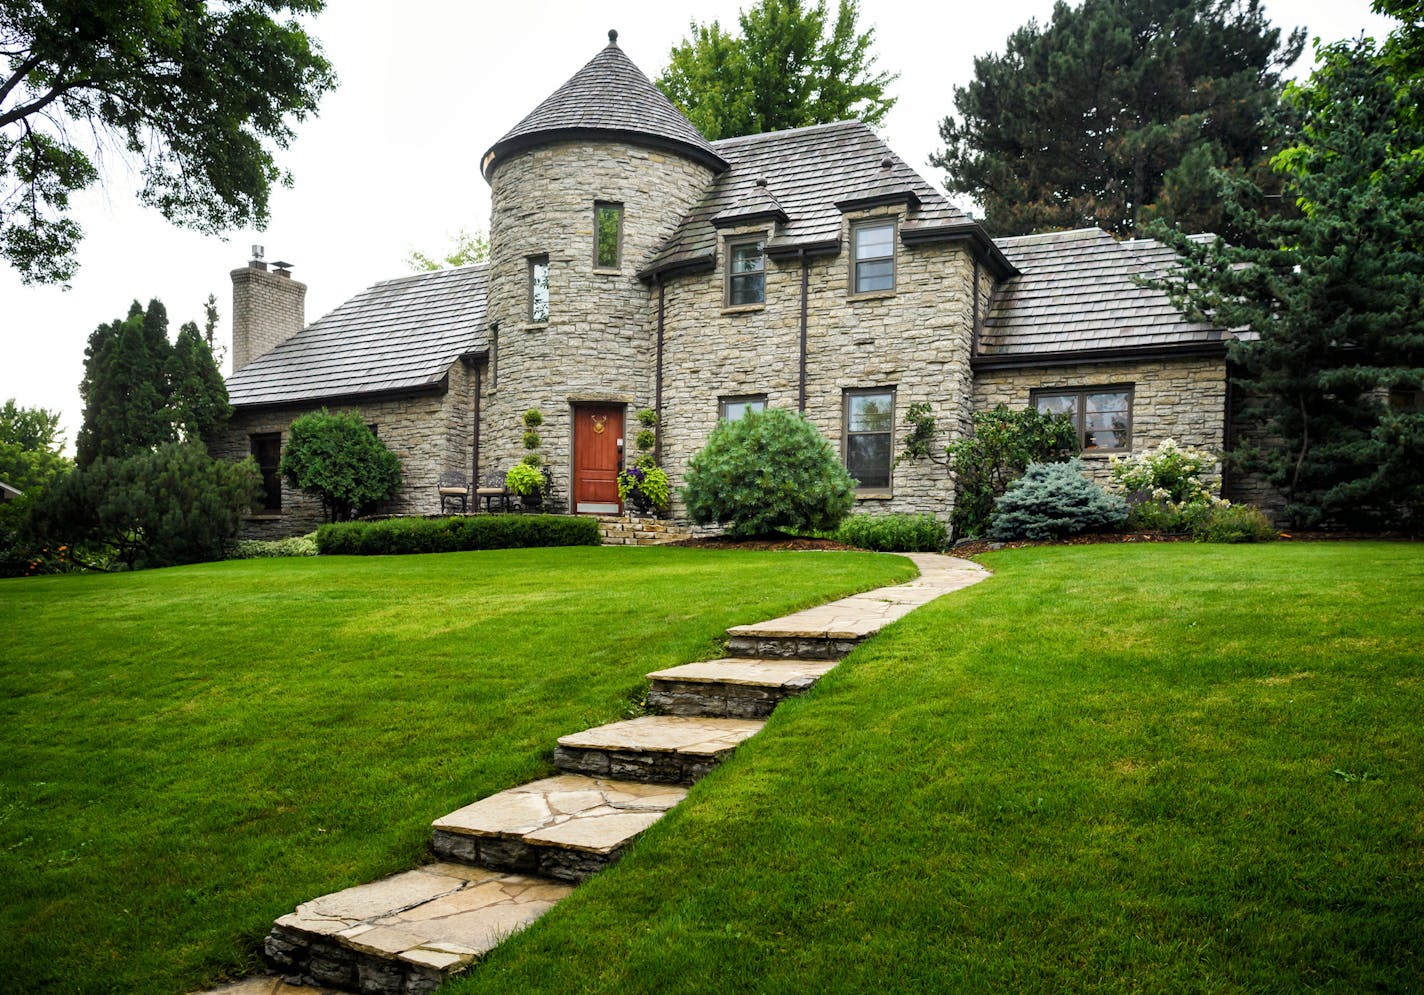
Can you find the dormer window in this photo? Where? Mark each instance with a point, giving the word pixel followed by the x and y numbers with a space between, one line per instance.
pixel 746 272
pixel 607 235
pixel 539 289
pixel 873 257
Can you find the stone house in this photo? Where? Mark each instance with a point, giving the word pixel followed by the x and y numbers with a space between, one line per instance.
pixel 633 264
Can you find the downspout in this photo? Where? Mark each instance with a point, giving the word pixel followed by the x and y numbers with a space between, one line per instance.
pixel 805 279
pixel 658 377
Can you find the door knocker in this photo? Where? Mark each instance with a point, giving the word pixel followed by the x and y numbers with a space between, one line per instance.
pixel 599 423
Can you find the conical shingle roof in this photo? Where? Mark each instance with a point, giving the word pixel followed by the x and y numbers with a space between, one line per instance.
pixel 608 98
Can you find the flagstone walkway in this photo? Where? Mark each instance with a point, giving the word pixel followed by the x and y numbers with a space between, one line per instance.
pixel 508 858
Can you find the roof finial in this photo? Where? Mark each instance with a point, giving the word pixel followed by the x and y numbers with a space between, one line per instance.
pixel 613 37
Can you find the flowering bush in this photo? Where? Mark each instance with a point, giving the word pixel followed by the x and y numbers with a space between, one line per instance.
pixel 1169 488
pixel 645 485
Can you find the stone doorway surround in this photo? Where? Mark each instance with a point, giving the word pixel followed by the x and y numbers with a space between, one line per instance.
pixel 505 860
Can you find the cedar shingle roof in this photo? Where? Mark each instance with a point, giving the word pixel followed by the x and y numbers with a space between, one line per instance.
pixel 1076 292
pixel 808 170
pixel 398 335
pixel 609 97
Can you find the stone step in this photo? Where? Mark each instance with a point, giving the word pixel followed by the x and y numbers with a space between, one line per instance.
pixel 659 749
pixel 564 827
pixel 405 934
pixel 735 687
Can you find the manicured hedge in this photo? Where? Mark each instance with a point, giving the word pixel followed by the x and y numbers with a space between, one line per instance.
pixel 449 535
pixel 894 533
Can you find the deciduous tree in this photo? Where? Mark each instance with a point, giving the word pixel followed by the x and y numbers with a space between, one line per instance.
pixel 340 460
pixel 1116 112
pixel 469 247
pixel 198 92
pixel 793 65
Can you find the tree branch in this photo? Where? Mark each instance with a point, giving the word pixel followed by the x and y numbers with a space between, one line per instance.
pixel 18 75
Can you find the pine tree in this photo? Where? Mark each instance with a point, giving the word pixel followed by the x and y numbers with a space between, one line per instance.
pixel 1115 112
pixel 197 401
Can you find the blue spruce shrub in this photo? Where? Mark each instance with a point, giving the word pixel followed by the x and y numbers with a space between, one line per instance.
pixel 1052 500
pixel 769 470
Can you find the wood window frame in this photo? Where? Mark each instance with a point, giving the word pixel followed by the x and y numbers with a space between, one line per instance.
pixel 728 276
pixel 1080 412
pixel 848 395
pixel 534 262
pixel 861 225
pixel 268 443
pixel 599 206
pixel 738 399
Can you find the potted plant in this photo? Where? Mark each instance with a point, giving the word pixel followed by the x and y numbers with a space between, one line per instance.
pixel 527 478
pixel 645 485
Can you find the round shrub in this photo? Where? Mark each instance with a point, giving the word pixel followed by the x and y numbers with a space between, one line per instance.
pixel 1236 523
pixel 1052 500
pixel 769 470
pixel 340 460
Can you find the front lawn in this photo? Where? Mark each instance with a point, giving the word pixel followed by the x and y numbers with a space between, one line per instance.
pixel 188 753
pixel 1165 768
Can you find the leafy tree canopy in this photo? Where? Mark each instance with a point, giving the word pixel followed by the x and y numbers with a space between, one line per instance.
pixel 793 65
pixel 30 455
pixel 140 391
pixel 200 92
pixel 469 247
pixel 1335 295
pixel 339 459
pixel 1116 112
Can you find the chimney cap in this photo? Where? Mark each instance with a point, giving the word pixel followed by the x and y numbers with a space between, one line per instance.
pixel 258 252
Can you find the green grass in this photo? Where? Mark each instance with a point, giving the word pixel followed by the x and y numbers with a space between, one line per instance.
pixel 1165 768
pixel 188 753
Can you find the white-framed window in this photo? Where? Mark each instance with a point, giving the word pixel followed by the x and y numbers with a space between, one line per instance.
pixel 872 256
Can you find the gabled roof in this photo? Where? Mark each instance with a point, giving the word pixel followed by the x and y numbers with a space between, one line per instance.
pixel 808 171
pixel 1077 293
pixel 399 335
pixel 608 98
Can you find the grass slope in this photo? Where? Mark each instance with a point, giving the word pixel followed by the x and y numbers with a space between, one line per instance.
pixel 188 753
pixel 1171 768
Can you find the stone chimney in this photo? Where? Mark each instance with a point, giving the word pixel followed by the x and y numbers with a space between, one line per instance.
pixel 268 308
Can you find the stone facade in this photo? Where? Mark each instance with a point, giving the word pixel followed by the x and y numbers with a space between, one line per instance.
pixel 598 344
pixel 1182 399
pixel 267 310
pixel 430 433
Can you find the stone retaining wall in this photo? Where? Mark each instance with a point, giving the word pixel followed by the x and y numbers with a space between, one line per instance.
pixel 631 530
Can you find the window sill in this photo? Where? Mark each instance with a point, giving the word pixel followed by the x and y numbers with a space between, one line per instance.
pixel 872 295
pixel 264 516
pixel 743 308
pixel 1103 453
pixel 606 271
pixel 874 496
pixel 533 326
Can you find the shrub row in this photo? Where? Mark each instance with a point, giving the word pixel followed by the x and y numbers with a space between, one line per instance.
pixel 894 533
pixel 449 535
pixel 256 549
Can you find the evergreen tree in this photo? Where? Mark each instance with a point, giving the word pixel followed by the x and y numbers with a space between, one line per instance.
pixel 340 460
pixel 197 400
pixel 1117 112
pixel 1335 296
pixel 792 66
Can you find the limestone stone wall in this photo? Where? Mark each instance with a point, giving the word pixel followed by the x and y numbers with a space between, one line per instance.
pixel 1182 399
pixel 914 339
pixel 598 343
pixel 633 530
pixel 267 309
pixel 429 432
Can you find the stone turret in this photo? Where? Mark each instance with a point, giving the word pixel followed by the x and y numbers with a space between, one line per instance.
pixel 606 145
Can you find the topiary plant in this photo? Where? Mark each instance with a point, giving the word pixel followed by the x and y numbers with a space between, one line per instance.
pixel 1052 500
pixel 769 470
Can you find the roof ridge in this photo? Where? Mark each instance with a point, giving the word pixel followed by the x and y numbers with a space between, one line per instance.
pixel 430 274
pixel 803 128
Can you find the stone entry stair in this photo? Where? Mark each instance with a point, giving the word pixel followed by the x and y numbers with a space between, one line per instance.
pixel 509 857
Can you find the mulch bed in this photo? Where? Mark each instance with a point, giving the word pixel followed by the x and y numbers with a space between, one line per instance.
pixel 770 540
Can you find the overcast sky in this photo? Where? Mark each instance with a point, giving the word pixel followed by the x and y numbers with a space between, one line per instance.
pixel 392 162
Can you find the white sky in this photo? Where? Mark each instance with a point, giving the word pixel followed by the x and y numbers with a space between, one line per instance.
pixel 392 162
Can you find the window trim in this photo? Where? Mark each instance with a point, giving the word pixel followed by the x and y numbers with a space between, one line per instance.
pixel 864 491
pixel 1081 411
pixel 534 262
pixel 267 504
pixel 617 265
pixel 731 245
pixel 727 399
pixel 893 223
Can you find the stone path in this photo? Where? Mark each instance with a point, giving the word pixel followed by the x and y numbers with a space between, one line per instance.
pixel 509 857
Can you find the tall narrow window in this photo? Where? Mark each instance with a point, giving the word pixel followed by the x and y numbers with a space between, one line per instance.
pixel 1102 415
pixel 607 235
pixel 538 289
pixel 870 425
pixel 746 272
pixel 737 408
pixel 267 451
pixel 873 264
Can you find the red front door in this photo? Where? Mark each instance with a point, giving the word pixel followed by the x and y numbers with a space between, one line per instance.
pixel 598 434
